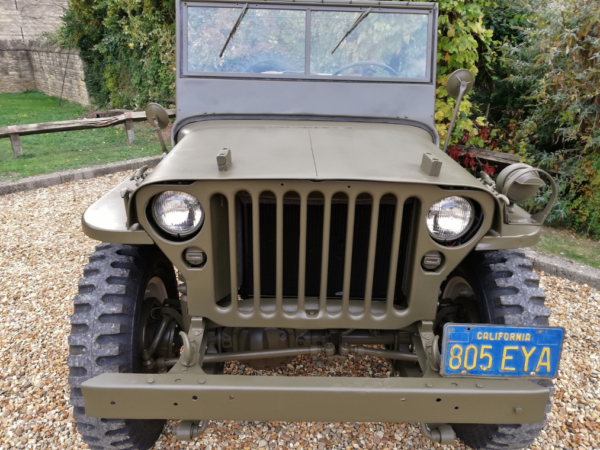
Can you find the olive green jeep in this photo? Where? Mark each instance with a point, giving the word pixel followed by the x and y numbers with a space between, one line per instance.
pixel 306 209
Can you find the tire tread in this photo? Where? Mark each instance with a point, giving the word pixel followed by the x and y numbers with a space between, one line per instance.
pixel 101 340
pixel 514 298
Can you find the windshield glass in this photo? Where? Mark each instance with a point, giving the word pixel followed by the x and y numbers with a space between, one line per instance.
pixel 248 39
pixel 266 40
pixel 381 45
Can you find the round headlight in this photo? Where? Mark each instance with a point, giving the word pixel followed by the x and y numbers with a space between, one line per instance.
pixel 177 213
pixel 449 218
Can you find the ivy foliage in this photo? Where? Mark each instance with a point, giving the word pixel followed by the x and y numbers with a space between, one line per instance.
pixel 463 42
pixel 128 47
pixel 558 61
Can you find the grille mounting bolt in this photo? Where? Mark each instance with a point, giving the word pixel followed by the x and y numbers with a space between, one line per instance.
pixel 150 380
pixel 479 385
pixel 429 385
pixel 518 410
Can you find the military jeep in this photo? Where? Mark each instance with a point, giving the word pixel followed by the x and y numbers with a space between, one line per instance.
pixel 306 208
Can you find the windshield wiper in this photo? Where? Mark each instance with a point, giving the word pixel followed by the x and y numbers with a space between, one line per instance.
pixel 356 23
pixel 234 29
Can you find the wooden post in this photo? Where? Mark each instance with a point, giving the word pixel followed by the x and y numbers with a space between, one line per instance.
pixel 15 140
pixel 129 129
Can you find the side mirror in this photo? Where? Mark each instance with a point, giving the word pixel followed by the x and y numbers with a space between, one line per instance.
pixel 459 84
pixel 158 118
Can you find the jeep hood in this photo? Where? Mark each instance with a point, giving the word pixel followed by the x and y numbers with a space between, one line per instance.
pixel 307 150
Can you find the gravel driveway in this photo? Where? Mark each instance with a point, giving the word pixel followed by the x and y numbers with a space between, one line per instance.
pixel 42 253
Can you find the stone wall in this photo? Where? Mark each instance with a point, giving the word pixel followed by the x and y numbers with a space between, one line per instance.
pixel 29 19
pixel 32 65
pixel 26 63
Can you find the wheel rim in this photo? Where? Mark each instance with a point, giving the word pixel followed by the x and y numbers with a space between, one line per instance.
pixel 457 304
pixel 458 287
pixel 156 289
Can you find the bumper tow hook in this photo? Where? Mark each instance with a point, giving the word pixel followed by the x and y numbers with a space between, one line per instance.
pixel 188 430
pixel 437 432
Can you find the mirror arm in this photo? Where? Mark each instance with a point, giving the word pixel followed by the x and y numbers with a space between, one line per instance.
pixel 161 139
pixel 463 87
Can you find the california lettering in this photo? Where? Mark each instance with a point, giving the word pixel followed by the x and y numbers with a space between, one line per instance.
pixel 522 337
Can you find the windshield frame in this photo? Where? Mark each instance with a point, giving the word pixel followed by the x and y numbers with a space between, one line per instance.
pixel 390 7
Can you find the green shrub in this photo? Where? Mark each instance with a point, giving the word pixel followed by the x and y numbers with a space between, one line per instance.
pixel 559 61
pixel 128 47
pixel 463 41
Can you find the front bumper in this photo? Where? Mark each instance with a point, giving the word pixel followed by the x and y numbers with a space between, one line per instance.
pixel 324 399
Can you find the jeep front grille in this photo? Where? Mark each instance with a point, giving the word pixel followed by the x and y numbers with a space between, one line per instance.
pixel 319 250
pixel 314 255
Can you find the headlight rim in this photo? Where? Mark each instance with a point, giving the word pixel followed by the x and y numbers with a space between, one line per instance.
pixel 467 228
pixel 181 236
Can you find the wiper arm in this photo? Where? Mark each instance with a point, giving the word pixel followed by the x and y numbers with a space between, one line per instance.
pixel 356 23
pixel 234 29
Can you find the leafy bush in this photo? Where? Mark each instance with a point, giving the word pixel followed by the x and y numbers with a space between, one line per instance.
pixel 559 61
pixel 463 42
pixel 128 47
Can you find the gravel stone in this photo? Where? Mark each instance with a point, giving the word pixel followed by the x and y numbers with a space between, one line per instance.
pixel 42 254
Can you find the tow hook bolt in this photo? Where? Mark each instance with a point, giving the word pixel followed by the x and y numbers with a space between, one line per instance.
pixel 329 350
pixel 437 432
pixel 188 430
pixel 344 349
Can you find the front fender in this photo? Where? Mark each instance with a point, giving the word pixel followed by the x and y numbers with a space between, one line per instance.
pixel 106 220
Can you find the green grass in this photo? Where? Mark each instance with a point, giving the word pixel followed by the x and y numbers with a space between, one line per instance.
pixel 46 153
pixel 561 242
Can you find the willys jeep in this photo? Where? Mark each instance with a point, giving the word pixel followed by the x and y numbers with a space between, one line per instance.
pixel 306 208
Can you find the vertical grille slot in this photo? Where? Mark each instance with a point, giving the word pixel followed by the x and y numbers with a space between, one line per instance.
pixel 267 236
pixel 360 248
pixel 291 246
pixel 224 261
pixel 315 216
pixel 410 216
pixel 337 231
pixel 383 252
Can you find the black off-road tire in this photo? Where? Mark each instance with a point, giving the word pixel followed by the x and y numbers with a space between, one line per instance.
pixel 507 292
pixel 105 334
